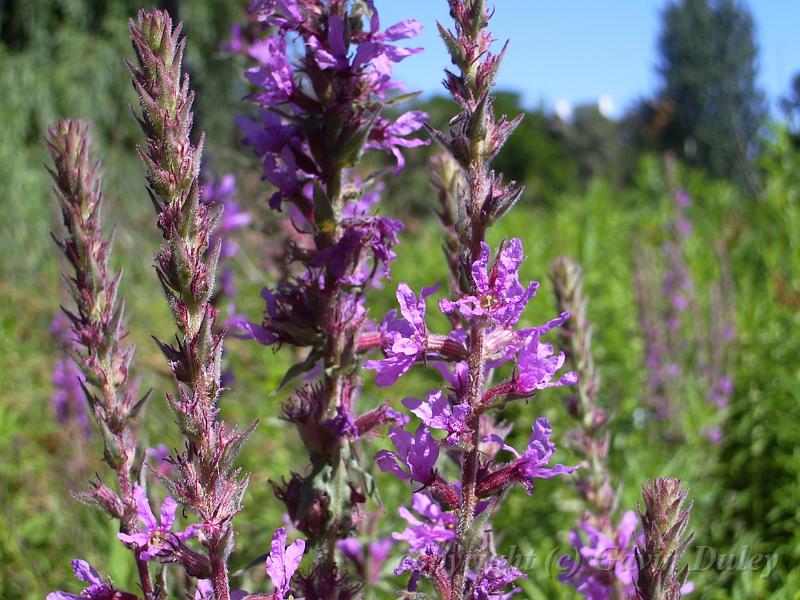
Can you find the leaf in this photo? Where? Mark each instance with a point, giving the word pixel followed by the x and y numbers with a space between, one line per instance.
pixel 297 370
pixel 402 98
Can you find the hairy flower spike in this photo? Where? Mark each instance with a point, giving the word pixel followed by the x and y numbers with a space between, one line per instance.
pixel 186 265
pixel 665 520
pixel 95 342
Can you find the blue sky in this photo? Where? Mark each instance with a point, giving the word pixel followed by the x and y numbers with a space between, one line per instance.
pixel 581 50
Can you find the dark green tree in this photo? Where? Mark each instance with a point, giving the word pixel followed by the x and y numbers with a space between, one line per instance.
pixel 709 63
pixel 594 143
pixel 790 106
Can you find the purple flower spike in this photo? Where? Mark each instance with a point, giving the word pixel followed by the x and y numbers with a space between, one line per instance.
pixel 415 458
pixel 97 588
pixel 405 339
pixel 496 576
pixel 283 561
pixel 499 294
pixel 156 538
pixel 438 413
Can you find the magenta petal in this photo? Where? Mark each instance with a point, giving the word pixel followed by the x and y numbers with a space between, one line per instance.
pixel 85 572
pixel 143 508
pixel 168 509
pixel 549 473
pixel 479 270
pixel 136 539
pixel 387 462
pixel 405 29
pixel 402 440
pixel 282 562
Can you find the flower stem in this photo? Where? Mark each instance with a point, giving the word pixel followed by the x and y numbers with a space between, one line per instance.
pixel 219 577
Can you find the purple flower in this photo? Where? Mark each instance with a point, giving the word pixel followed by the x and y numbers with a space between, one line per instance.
pixel 334 53
pixel 204 590
pixel 276 12
pixel 533 462
pixel 366 200
pixel 373 47
pixel 368 559
pixel 427 562
pixel 438 413
pixel 538 365
pixel 345 259
pixel 222 191
pixel 603 559
pixel 433 527
pixel 720 392
pixel 343 424
pixel 530 465
pixel 390 137
pixel 215 191
pixel 69 400
pixel 405 338
pixel 331 51
pixel 714 434
pixel 499 294
pixel 415 458
pixel 274 76
pixel 157 537
pixel 160 456
pixel 97 588
pixel 269 135
pixel 234 218
pixel 283 561
pixel 458 378
pixel 495 577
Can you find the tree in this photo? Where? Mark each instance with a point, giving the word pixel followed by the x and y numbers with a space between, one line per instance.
pixel 709 62
pixel 594 143
pixel 790 106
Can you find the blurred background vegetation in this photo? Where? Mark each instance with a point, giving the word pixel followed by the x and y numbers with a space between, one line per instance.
pixel 594 187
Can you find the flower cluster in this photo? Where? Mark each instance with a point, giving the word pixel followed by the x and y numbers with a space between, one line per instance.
pixel 322 80
pixel 604 566
pixel 678 337
pixel 485 304
pixel 492 308
pixel 320 113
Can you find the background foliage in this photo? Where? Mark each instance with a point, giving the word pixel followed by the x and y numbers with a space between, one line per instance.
pixel 594 187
